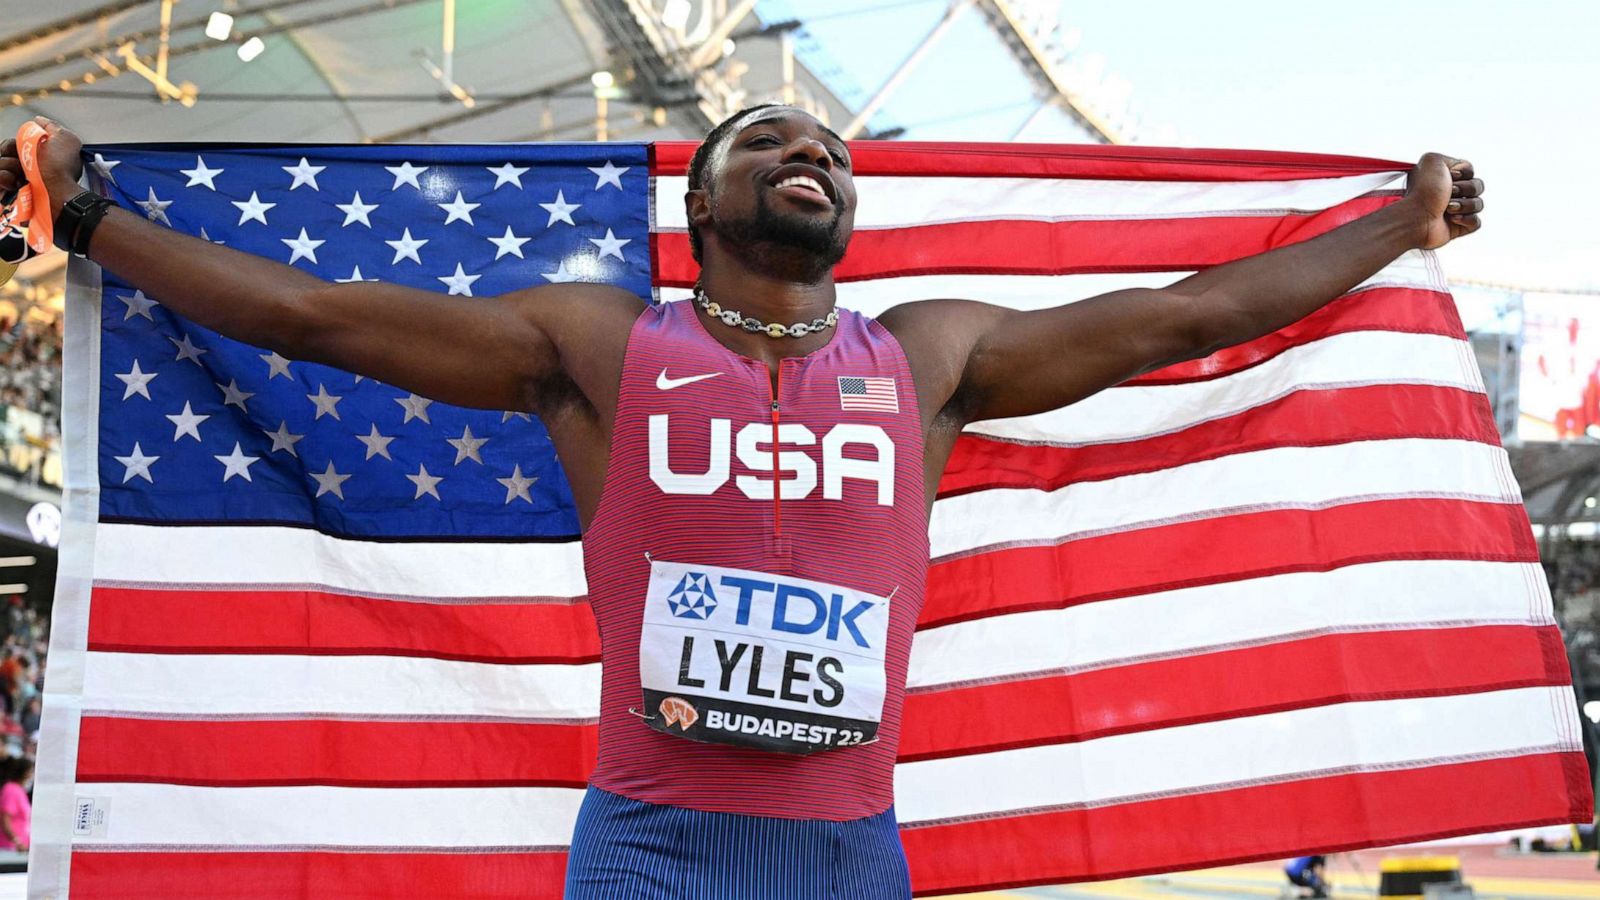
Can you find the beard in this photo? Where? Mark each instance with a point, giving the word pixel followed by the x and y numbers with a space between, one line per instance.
pixel 770 229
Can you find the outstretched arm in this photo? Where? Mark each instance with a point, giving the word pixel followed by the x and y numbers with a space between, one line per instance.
pixel 493 353
pixel 1019 363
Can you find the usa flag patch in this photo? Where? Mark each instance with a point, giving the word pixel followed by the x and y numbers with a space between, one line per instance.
pixel 875 394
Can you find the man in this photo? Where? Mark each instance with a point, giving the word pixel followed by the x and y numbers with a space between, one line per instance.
pixel 714 463
pixel 1307 872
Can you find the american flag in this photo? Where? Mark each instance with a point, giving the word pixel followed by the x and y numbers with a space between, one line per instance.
pixel 316 636
pixel 875 394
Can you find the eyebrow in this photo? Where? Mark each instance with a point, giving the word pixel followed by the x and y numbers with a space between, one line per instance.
pixel 777 116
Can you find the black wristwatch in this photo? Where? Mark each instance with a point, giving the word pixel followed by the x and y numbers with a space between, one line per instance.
pixel 77 221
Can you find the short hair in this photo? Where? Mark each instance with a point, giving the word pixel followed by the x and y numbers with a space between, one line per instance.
pixel 702 159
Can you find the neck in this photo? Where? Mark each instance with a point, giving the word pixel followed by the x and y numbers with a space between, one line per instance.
pixel 770 298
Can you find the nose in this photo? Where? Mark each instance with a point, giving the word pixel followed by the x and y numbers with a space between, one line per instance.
pixel 808 150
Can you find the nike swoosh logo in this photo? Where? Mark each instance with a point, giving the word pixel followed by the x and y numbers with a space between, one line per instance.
pixel 667 384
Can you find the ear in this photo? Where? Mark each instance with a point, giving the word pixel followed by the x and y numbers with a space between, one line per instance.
pixel 697 207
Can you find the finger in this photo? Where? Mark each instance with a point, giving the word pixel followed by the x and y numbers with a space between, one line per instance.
pixel 1460 225
pixel 1460 168
pixel 1464 206
pixel 8 147
pixel 1470 187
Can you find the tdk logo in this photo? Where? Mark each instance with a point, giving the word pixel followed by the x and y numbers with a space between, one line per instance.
pixel 692 598
pixel 798 610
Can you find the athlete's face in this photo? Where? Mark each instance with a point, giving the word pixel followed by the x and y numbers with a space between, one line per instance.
pixel 782 179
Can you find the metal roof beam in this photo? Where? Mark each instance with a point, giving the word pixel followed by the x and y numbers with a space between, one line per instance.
pixel 898 76
pixel 59 26
pixel 1044 71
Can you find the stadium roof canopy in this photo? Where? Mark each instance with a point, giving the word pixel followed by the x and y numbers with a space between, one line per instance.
pixel 383 70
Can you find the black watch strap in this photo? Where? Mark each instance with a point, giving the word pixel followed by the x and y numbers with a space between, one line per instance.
pixel 78 219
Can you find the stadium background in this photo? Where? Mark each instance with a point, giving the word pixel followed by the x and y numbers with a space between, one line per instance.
pixel 1495 84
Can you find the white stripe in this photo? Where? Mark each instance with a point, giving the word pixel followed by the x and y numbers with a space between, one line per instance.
pixel 908 201
pixel 1043 291
pixel 215 684
pixel 1298 743
pixel 54 808
pixel 171 814
pixel 1441 593
pixel 1340 360
pixel 1263 479
pixel 276 555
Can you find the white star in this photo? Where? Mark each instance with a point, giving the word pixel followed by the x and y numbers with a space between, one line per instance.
pixel 460 282
pixel 232 396
pixel 276 365
pixel 283 439
pixel 356 211
pixel 406 173
pixel 355 275
pixel 155 209
pixel 608 174
pixel 187 350
pixel 252 209
pixel 560 275
pixel 201 175
pixel 137 463
pixel 236 463
pixel 138 305
pixel 327 404
pixel 508 174
pixel 509 243
pixel 416 407
pixel 376 444
pixel 560 210
pixel 104 167
pixel 303 246
pixel 304 173
pixel 459 209
pixel 506 416
pixel 517 486
pixel 426 484
pixel 611 245
pixel 187 422
pixel 467 446
pixel 406 248
pixel 330 481
pixel 138 382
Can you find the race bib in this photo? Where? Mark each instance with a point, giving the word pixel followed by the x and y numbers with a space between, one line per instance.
pixel 732 656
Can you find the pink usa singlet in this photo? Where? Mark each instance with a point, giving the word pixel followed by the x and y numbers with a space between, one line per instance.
pixel 755 641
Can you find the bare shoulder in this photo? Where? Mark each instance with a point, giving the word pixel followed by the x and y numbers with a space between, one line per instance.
pixel 584 330
pixel 938 337
pixel 571 310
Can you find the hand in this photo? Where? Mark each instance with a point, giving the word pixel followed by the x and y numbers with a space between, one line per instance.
pixel 59 165
pixel 1447 196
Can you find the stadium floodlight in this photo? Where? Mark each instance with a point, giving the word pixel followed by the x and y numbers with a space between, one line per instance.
pixel 675 14
pixel 1592 710
pixel 602 79
pixel 728 46
pixel 1589 502
pixel 251 49
pixel 220 26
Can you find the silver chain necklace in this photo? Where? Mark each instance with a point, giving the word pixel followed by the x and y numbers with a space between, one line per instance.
pixel 736 319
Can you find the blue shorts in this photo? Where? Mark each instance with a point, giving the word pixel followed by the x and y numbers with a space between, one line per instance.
pixel 625 849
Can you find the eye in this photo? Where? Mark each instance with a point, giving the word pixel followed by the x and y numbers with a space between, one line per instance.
pixel 759 138
pixel 840 159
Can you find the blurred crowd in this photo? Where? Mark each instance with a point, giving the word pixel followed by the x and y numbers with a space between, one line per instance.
pixel 1573 569
pixel 22 664
pixel 30 397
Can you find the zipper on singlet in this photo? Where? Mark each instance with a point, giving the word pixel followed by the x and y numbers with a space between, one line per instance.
pixel 777 481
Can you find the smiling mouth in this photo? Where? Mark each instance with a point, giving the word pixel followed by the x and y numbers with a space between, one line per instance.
pixel 804 186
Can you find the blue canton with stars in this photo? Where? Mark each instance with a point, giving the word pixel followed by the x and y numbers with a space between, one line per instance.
pixel 195 427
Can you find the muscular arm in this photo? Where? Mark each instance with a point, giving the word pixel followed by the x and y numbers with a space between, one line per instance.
pixel 1011 363
pixel 493 353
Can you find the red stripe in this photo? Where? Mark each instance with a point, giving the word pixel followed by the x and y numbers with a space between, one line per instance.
pixel 1225 548
pixel 1320 815
pixel 273 876
pixel 1310 418
pixel 276 752
pixel 972 160
pixel 1407 310
pixel 1010 247
pixel 1247 681
pixel 145 620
